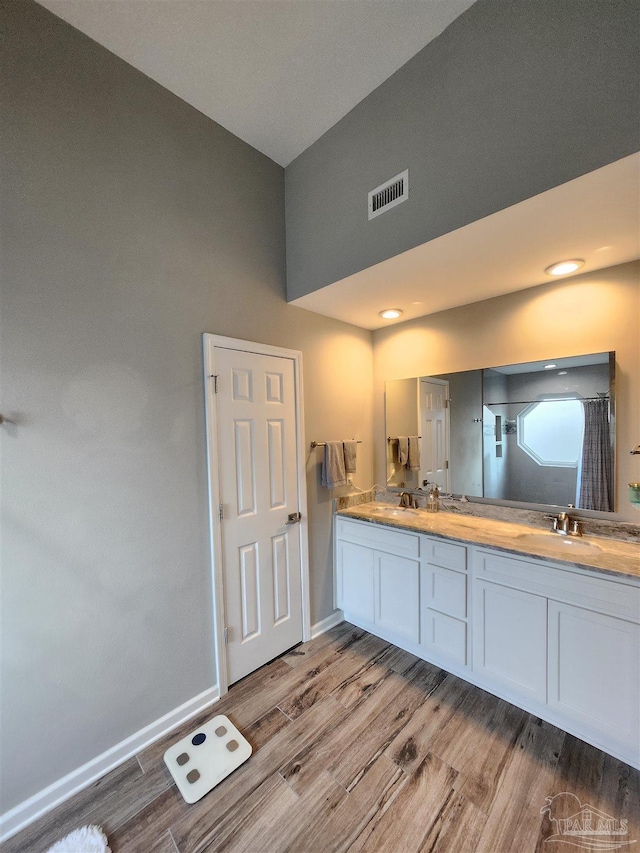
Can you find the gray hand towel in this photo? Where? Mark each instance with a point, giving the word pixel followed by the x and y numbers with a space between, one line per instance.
pixel 350 451
pixel 414 453
pixel 333 473
pixel 403 450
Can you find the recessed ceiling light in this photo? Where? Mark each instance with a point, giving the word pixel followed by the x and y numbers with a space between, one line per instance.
pixel 562 373
pixel 564 267
pixel 550 366
pixel 390 313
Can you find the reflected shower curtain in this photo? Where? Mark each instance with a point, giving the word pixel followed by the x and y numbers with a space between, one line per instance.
pixel 597 471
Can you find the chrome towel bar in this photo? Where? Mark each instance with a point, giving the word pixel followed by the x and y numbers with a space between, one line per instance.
pixel 323 443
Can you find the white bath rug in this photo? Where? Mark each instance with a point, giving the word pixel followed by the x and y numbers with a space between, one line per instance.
pixel 88 839
pixel 202 759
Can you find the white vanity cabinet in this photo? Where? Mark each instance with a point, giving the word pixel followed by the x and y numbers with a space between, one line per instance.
pixel 445 635
pixel 564 643
pixel 594 672
pixel 558 640
pixel 354 587
pixel 378 579
pixel 397 596
pixel 510 640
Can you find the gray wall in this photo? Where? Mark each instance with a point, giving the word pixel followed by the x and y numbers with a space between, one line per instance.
pixel 495 449
pixel 512 99
pixel 465 436
pixel 131 224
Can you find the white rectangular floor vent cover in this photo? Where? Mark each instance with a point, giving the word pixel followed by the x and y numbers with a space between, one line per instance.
pixel 389 194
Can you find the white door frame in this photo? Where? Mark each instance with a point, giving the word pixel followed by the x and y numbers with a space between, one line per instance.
pixel 215 527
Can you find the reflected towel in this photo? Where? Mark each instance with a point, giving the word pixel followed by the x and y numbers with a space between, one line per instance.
pixel 333 473
pixel 350 451
pixel 414 453
pixel 403 450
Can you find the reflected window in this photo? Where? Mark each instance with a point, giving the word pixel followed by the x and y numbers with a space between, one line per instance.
pixel 551 430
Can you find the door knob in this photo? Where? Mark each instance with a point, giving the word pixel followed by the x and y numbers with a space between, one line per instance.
pixel 294 517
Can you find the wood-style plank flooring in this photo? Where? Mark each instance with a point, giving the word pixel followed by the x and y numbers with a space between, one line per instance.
pixel 358 746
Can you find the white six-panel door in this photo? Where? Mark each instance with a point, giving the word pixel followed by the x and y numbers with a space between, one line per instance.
pixel 260 547
pixel 434 429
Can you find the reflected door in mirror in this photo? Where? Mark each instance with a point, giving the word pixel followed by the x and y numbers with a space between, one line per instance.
pixel 434 429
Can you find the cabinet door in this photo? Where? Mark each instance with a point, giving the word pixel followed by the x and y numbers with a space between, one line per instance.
pixel 594 671
pixel 397 596
pixel 354 592
pixel 444 636
pixel 510 639
pixel 447 591
pixel 444 627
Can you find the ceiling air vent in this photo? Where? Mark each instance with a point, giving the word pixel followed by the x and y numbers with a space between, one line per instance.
pixel 389 194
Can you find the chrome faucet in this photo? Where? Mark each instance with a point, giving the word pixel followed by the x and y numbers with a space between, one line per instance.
pixel 565 525
pixel 407 501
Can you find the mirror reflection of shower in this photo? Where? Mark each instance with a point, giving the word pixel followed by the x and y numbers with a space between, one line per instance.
pixel 552 439
pixel 535 433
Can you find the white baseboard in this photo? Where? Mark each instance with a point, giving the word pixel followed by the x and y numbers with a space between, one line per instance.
pixel 26 812
pixel 326 624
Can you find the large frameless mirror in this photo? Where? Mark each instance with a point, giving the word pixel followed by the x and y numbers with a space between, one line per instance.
pixel 536 433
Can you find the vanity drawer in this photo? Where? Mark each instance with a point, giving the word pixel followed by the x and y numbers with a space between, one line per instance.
pixel 446 636
pixel 378 537
pixel 449 555
pixel 447 591
pixel 561 584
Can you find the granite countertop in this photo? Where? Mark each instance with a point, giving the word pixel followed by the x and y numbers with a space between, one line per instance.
pixel 612 556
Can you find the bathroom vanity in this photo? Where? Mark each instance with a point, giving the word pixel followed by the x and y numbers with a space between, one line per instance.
pixel 549 625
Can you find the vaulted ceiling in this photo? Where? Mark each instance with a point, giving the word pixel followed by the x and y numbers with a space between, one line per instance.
pixel 276 73
pixel 279 73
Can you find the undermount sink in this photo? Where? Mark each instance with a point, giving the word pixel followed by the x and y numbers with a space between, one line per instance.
pixel 394 511
pixel 556 542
